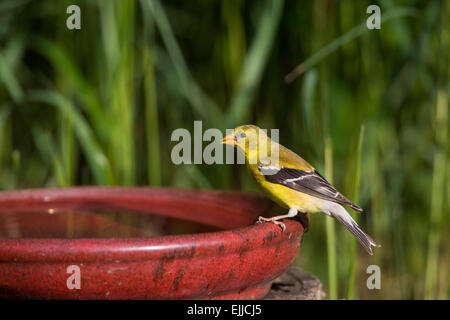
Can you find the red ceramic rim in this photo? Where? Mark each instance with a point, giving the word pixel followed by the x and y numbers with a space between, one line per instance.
pixel 228 210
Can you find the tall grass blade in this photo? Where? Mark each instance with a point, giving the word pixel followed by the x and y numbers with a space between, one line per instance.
pixel 308 93
pixel 151 120
pixel 121 95
pixel 46 146
pixel 352 273
pixel 329 227
pixel 151 99
pixel 67 147
pixel 437 196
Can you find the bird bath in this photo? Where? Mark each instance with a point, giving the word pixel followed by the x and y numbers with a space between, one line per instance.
pixel 140 243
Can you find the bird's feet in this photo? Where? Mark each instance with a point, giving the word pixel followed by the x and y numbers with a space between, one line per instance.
pixel 292 213
pixel 273 220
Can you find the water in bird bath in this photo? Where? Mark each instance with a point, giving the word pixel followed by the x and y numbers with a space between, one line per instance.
pixel 93 224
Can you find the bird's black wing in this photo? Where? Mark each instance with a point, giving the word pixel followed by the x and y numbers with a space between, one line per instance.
pixel 309 182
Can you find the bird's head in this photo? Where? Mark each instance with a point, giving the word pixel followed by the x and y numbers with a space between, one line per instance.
pixel 248 138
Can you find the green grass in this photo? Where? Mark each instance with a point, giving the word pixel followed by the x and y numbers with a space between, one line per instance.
pixel 98 105
pixel 330 228
pixel 357 175
pixel 437 197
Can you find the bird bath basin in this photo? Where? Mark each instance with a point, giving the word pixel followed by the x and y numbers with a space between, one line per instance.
pixel 140 243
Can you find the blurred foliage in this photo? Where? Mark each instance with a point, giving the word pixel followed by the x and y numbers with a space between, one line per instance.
pixel 98 105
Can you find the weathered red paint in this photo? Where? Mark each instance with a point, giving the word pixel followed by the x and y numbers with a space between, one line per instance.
pixel 233 264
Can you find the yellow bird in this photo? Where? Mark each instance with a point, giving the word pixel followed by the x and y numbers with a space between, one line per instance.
pixel 292 182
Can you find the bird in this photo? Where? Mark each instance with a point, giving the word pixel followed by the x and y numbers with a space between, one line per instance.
pixel 292 182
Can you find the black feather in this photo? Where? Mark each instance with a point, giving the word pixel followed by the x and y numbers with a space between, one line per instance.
pixel 309 182
pixel 363 238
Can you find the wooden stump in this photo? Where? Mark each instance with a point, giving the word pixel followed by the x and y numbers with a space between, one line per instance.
pixel 295 284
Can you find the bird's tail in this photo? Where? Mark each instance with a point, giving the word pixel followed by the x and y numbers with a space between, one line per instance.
pixel 337 211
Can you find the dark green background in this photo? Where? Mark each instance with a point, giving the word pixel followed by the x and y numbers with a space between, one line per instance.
pixel 98 105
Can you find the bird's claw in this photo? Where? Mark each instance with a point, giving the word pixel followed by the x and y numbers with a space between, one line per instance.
pixel 279 223
pixel 261 219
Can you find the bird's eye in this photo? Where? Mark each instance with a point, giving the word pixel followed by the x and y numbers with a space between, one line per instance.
pixel 243 135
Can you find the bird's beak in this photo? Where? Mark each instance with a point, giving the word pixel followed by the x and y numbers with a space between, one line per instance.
pixel 229 139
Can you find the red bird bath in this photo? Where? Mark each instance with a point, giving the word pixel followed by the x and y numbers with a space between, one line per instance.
pixel 125 243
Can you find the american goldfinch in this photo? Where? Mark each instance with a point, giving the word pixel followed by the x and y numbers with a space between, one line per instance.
pixel 292 182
